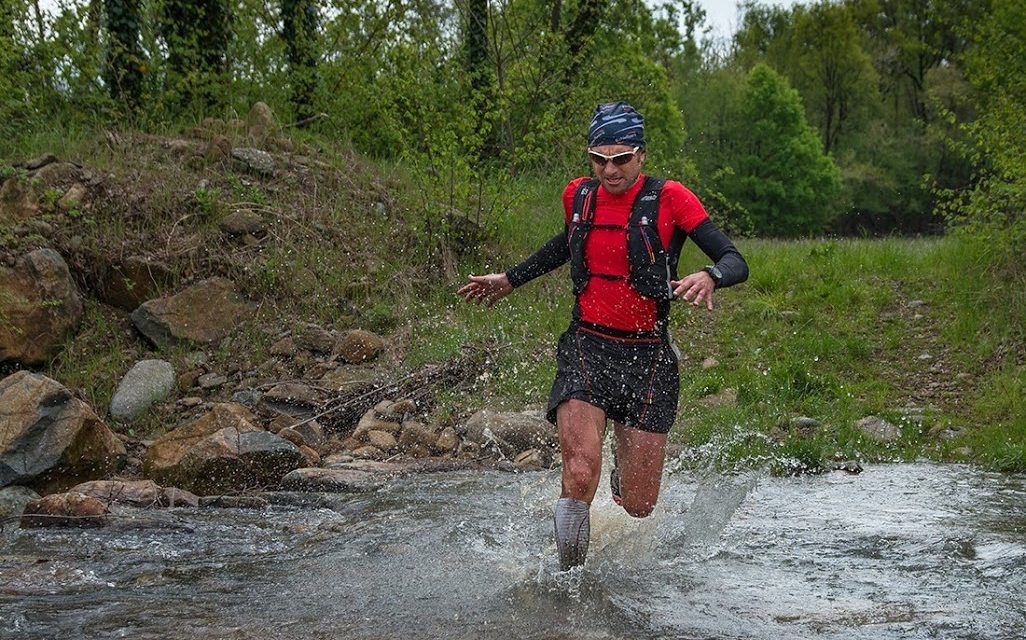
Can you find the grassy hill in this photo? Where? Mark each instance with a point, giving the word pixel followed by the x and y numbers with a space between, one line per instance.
pixel 925 333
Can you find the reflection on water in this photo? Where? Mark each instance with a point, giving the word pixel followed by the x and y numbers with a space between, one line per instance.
pixel 900 551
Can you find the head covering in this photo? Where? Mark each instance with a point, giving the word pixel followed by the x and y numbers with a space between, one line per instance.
pixel 616 123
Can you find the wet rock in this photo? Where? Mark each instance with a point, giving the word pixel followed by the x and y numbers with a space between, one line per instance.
pixel 848 466
pixel 338 480
pixel 313 459
pixel 447 441
pixel 358 346
pixel 292 393
pixel 242 222
pixel 248 397
pixel 64 510
pixel 211 380
pixel 138 493
pixel 133 281
pixel 203 313
pixel 416 433
pixel 350 378
pixel 382 440
pixel 175 497
pixel 50 440
pixel 520 431
pixel 369 453
pixel 234 502
pixel 532 459
pixel 315 338
pixel 878 429
pixel 371 422
pixel 39 307
pixel 220 452
pixel 146 383
pixel 337 459
pixel 255 160
pixel 309 433
pixel 725 398
pixel 13 501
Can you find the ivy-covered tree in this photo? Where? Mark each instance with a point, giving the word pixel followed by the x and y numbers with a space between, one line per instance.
pixel 196 34
pixel 780 173
pixel 124 64
pixel 300 21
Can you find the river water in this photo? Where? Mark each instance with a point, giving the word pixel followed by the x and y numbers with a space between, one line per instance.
pixel 900 551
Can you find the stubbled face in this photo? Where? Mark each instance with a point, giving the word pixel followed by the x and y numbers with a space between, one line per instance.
pixel 617 179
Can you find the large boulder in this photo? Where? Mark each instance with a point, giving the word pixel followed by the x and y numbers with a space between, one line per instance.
pixel 146 383
pixel 204 313
pixel 516 431
pixel 50 440
pixel 260 123
pixel 221 452
pixel 39 306
pixel 65 510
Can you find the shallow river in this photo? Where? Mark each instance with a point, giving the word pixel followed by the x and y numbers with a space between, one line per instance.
pixel 900 551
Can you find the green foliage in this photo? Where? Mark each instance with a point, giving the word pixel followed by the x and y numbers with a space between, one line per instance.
pixel 781 175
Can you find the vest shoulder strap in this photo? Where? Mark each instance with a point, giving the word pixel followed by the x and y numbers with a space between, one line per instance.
pixel 646 205
pixel 584 200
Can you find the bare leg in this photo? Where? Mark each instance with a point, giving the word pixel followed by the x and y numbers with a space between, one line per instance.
pixel 640 460
pixel 581 426
pixel 580 436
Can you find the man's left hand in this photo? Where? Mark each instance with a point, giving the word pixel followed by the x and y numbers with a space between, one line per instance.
pixel 696 288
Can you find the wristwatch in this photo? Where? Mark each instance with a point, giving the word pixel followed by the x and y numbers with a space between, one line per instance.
pixel 715 273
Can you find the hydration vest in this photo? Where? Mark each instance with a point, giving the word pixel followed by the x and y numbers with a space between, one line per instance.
pixel 651 265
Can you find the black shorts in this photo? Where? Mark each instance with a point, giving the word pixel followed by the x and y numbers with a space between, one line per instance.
pixel 631 376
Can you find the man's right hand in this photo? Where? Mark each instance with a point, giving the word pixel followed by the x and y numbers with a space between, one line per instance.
pixel 487 289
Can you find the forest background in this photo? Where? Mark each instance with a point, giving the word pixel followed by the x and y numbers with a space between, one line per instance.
pixel 829 119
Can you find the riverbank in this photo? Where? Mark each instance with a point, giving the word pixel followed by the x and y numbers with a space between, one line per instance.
pixel 825 334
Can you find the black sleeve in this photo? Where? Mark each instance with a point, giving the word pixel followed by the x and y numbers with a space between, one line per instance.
pixel 715 244
pixel 552 254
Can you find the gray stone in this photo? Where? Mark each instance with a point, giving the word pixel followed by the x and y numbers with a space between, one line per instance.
pixel 878 429
pixel 260 122
pixel 804 423
pixel 339 480
pixel 315 338
pixel 13 501
pixel 39 307
pixel 50 440
pixel 146 383
pixel 255 160
pixel 211 380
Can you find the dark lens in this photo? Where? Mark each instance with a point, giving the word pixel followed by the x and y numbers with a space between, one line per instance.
pixel 597 159
pixel 622 159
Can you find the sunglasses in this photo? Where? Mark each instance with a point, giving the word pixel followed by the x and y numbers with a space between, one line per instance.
pixel 619 159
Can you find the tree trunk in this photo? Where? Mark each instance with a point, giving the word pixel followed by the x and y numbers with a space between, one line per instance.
pixel 299 31
pixel 123 71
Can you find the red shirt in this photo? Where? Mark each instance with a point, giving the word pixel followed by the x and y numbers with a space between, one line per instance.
pixel 614 303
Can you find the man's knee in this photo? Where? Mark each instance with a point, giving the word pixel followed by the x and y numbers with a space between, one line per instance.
pixel 581 470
